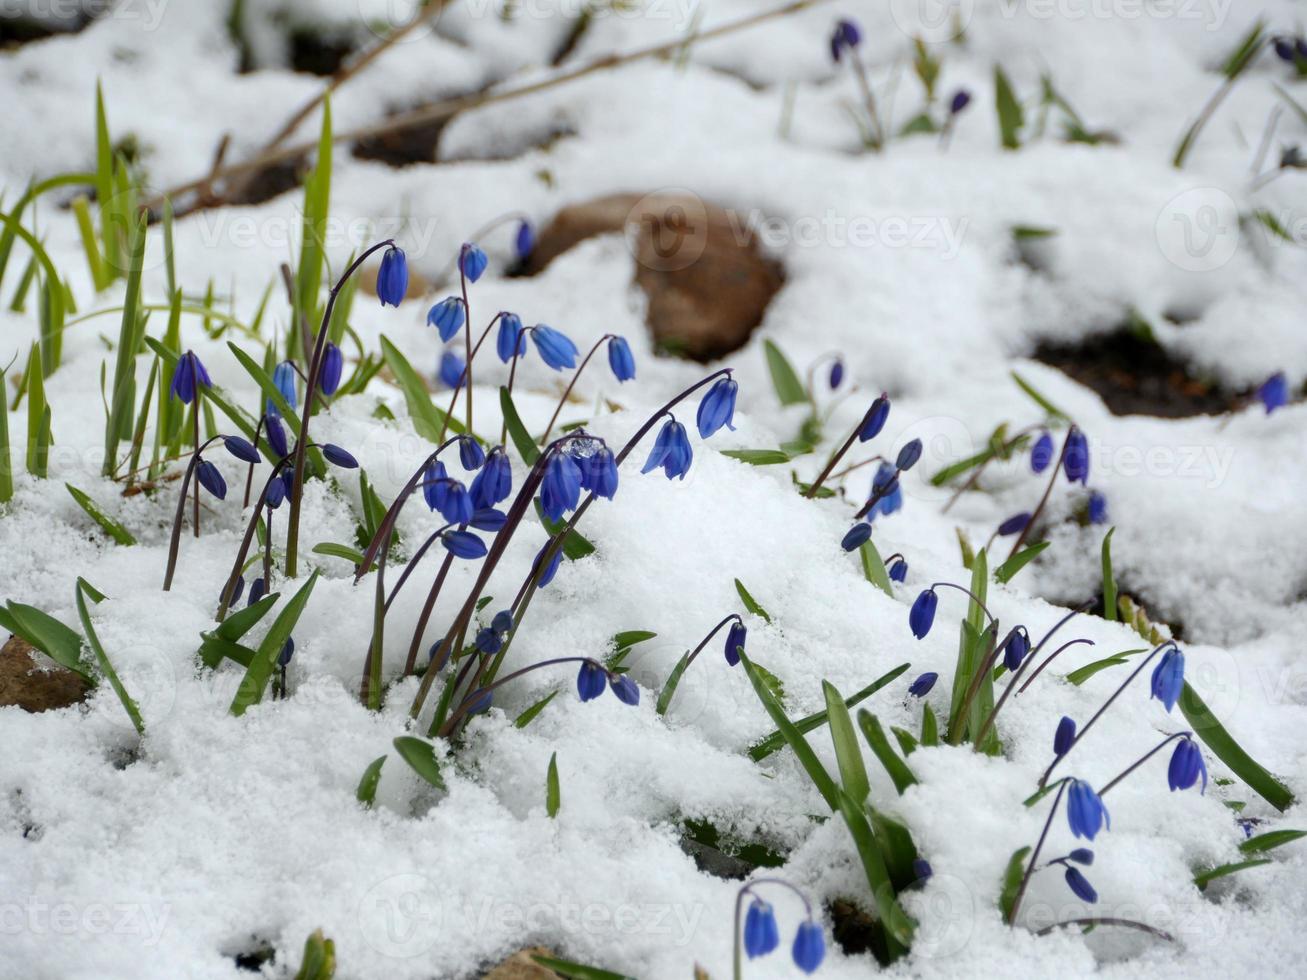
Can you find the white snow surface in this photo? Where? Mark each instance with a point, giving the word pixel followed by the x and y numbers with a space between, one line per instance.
pixel 212 836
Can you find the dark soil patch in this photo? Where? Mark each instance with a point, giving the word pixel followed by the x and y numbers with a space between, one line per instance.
pixel 857 931
pixel 1135 376
pixel 18 29
pixel 319 54
pixel 403 147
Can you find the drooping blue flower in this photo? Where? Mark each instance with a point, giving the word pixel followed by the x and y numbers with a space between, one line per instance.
pixel 560 490
pixel 1014 652
pixel 845 36
pixel 836 374
pixel 1076 461
pixel 908 455
pixel 333 366
pixel 961 99
pixel 1097 508
pixel 510 340
pixel 671 451
pixel 463 544
pixel 257 588
pixel 1273 393
pixel 392 277
pixel 599 472
pixel 1014 524
pixel 494 481
pixel 898 571
pixel 620 359
pixel 1186 766
pixel 336 456
pixel 921 869
pixel 590 681
pixel 761 935
pixel 470 453
pixel 1082 855
pixel 503 621
pixel 524 242
pixel 735 638
pixel 856 536
pixel 922 685
pixel 556 349
pixel 447 317
pixel 1284 48
pixel 717 408
pixel 809 946
pixel 457 505
pixel 1079 884
pixel 283 377
pixel 627 691
pixel 472 261
pixel 275 493
pixel 886 491
pixel 875 418
pixel 241 449
pixel 922 615
pixel 450 371
pixel 1064 736
pixel 1041 453
pixel 435 485
pixel 488 519
pixel 276 433
pixel 488 641
pixel 479 703
pixel 238 591
pixel 188 377
pixel 1085 812
pixel 551 569
pixel 1168 678
pixel 211 479
pixel 287 651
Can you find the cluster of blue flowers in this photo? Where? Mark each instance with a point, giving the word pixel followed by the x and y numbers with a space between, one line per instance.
pixel 761 934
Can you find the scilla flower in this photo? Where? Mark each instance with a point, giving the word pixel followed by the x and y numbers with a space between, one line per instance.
pixel 560 490
pixel 599 472
pixel 875 419
pixel 463 544
pixel 922 685
pixel 836 374
pixel 961 99
pixel 556 349
pixel 392 277
pixel 524 241
pixel 283 376
pixel 590 681
pixel 241 449
pixel 1014 524
pixel 188 377
pixel 856 536
pixel 276 436
pixel 898 571
pixel 846 36
pixel 275 493
pixel 447 317
pixel 671 451
pixel 550 570
pixel 735 642
pixel 620 359
pixel 470 453
pixel 211 479
pixel 1097 508
pixel 761 934
pixel 1274 392
pixel 494 481
pixel 1186 766
pixel 435 485
pixel 1168 678
pixel 1076 461
pixel 451 369
pixel 1064 736
pixel 1018 645
pixel 922 615
pixel 1041 453
pixel 472 261
pixel 809 947
pixel 1085 812
pixel 457 505
pixel 337 456
pixel 908 455
pixel 510 340
pixel 488 519
pixel 627 691
pixel 1079 884
pixel 717 408
pixel 333 365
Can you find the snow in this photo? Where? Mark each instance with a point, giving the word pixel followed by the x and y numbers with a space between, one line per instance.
pixel 167 856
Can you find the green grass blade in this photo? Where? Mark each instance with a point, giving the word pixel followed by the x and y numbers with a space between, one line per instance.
pixel 848 755
pixel 60 643
pixel 899 771
pixel 1271 840
pixel 553 796
pixel 427 419
pixel 1012 875
pixel 107 523
pixel 669 688
pixel 259 672
pixel 1109 583
pixel 1008 108
pixel 529 715
pixel 576 971
pixel 750 603
pixel 1225 748
pixel 1038 398
pixel 129 342
pixel 1007 571
pixel 874 568
pixel 102 659
pixel 526 446
pixel 776 740
pixel 789 389
pixel 793 737
pixel 38 416
pixel 1202 878
pixel 367 791
pixel 421 757
pixel 6 457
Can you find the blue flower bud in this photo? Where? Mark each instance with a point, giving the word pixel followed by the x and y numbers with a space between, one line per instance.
pixel 211 479
pixel 809 947
pixel 922 685
pixel 550 570
pixel 1014 524
pixel 503 621
pixel 488 519
pixel 761 936
pixel 909 455
pixel 856 536
pixel 921 869
pixel 336 456
pixel 1274 392
pixel 1064 736
pixel 510 339
pixel 961 99
pixel 875 418
pixel 333 366
pixel 275 493
pixel 590 681
pixel 1082 855
pixel 671 451
pixel 1284 48
pixel 283 377
pixel 463 544
pixel 257 588
pixel 1076 461
pixel 620 359
pixel 735 642
pixel 472 261
pixel 846 36
pixel 494 481
pixel 1097 508
pixel 717 408
pixel 276 434
pixel 287 651
pixel 188 377
pixel 626 689
pixel 488 641
pixel 599 472
pixel 560 490
pixel 1041 453
pixel 435 485
pixel 1085 812
pixel 1168 678
pixel 1079 884
pixel 922 614
pixel 898 571
pixel 450 371
pixel 555 348
pixel 1018 645
pixel 392 277
pixel 836 374
pixel 241 449
pixel 456 507
pixel 524 242
pixel 1186 766
pixel 238 591
pixel 470 453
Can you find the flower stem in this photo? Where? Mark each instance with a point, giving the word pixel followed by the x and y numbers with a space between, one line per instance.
pixel 839 454
pixel 570 385
pixel 1016 676
pixel 465 376
pixel 242 553
pixel 1034 857
pixel 174 543
pixel 467 336
pixel 1148 755
pixel 195 418
pixel 1043 501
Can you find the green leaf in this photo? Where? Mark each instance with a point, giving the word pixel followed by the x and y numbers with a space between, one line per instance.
pixel 1016 870
pixel 1082 674
pixel 331 549
pixel 853 773
pixel 259 671
pixel 367 791
pixel 1202 878
pixel 789 389
pixel 750 603
pixel 528 716
pixel 1008 570
pixel 421 756
pixel 107 523
pixel 758 457
pixel 242 621
pixel 526 446
pixel 873 568
pixel 1031 232
pixel 1010 116
pixel 130 331
pixel 101 658
pixel 552 795
pixel 897 847
pixel 6 458
pixel 576 971
pixel 38 416
pixel 1270 840
pixel 427 419
pixel 1243 54
pixel 898 927
pixel 1225 748
pixel 771 680
pixel 792 736
pixel 929 726
pixel 60 643
pixel 621 645
pixel 1109 583
pixel 669 687
pixel 776 740
pixel 898 770
pixel 575 545
pixel 1038 398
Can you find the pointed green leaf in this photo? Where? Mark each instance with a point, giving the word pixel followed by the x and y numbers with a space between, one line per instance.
pixel 421 756
pixel 789 389
pixel 107 523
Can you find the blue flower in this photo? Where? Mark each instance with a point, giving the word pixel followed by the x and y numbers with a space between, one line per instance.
pixel 336 456
pixel 447 317
pixel 1274 392
pixel 238 591
pixel 856 536
pixel 488 519
pixel 922 614
pixel 1186 766
pixel 620 359
pixel 211 479
pixel 463 544
pixel 241 449
pixel 1018 645
pixel 1285 48
pixel 836 374
pixel 503 621
pixel 556 349
pixel 1076 461
pixel 392 277
pixel 922 685
pixel 1041 453
pixel 599 472
pixel 921 869
pixel 560 490
pixel 845 36
pixel 488 641
pixel 1097 508
pixel 510 340
pixel 332 367
pixel 188 377
pixel 898 571
pixel 717 407
pixel 1079 884
pixel 1085 812
pixel 626 689
pixel 1082 855
pixel 551 569
pixel 283 377
pixel 472 261
pixel 875 418
pixel 671 451
pixel 761 935
pixel 435 485
pixel 257 588
pixel 886 491
pixel 1015 523
pixel 524 242
pixel 494 481
pixel 1064 736
pixel 275 493
pixel 457 507
pixel 470 453
pixel 908 455
pixel 287 651
pixel 734 641
pixel 961 99
pixel 276 436
pixel 809 947
pixel 450 371
pixel 1168 678
pixel 590 681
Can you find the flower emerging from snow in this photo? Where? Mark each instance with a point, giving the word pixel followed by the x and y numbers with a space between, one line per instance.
pixel 556 349
pixel 188 377
pixel 922 685
pixel 1085 811
pixel 447 317
pixel 922 614
pixel 472 261
pixel 671 451
pixel 1274 392
pixel 1168 678
pixel 620 359
pixel 1186 766
pixel 392 277
pixel 717 408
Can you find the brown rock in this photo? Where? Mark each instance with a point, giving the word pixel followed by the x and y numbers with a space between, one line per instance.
pixel 707 284
pixel 520 966
pixel 34 682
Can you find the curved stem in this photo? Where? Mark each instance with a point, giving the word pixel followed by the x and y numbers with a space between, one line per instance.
pixel 467 335
pixel 1034 857
pixel 715 630
pixel 974 598
pixel 410 665
pixel 1043 501
pixel 839 453
pixel 477 693
pixel 956 722
pixel 878 458
pixel 1048 636
pixel 463 378
pixel 1148 755
pixel 570 385
pixel 512 376
pixel 174 543
pixel 1016 676
pixel 242 553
